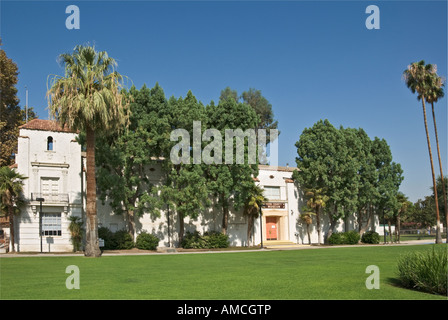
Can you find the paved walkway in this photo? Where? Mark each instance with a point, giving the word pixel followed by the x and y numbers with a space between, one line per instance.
pixel 183 251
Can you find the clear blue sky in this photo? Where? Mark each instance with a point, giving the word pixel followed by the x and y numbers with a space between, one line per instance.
pixel 311 59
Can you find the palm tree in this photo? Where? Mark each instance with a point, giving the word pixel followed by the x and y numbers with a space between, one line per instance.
pixel 88 98
pixel 11 189
pixel 252 208
pixel 316 201
pixel 434 93
pixel 418 79
pixel 307 219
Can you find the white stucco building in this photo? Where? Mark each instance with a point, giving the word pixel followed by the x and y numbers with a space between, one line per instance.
pixel 52 160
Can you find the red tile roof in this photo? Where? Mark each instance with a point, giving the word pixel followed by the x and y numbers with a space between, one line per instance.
pixel 45 125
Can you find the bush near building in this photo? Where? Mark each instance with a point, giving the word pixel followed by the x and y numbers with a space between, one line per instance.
pixel 115 240
pixel 370 237
pixel 209 240
pixel 146 241
pixel 350 237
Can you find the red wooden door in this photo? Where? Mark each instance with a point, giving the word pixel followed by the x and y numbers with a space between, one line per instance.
pixel 271 228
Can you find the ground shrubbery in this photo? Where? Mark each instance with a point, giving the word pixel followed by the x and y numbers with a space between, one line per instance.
pixel 353 237
pixel 209 240
pixel 425 270
pixel 350 237
pixel 147 241
pixel 371 237
pixel 115 240
pixel 121 239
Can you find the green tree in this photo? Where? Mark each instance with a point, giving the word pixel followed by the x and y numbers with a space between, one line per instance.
pixel 418 79
pixel 403 206
pixel 355 173
pixel 424 212
pixel 230 182
pixel 11 194
pixel 388 180
pixel 322 163
pixel 184 189
pixel 229 93
pixel 259 103
pixel 88 98
pixel 123 158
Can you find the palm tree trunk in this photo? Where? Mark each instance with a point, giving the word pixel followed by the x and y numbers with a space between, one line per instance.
pixel 319 237
pixel 309 233
pixel 438 234
pixel 181 228
pixel 92 243
pixel 250 223
pixel 440 165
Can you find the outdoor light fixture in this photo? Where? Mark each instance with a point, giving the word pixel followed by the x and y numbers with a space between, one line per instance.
pixel 40 221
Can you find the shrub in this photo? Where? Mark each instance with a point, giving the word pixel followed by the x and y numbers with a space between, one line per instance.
pixel 352 237
pixel 76 232
pixel 425 270
pixel 108 237
pixel 216 239
pixel 124 240
pixel 115 240
pixel 370 237
pixel 336 238
pixel 146 241
pixel 213 239
pixel 193 240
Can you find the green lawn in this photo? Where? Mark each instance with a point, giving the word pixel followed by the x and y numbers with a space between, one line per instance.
pixel 327 273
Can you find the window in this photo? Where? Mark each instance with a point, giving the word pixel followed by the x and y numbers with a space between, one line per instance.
pixel 51 224
pixel 49 187
pixel 272 193
pixel 50 143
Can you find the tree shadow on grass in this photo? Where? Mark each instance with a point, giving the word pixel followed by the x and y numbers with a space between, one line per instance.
pixel 396 282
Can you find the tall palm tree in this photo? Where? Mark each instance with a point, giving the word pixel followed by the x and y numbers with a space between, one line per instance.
pixel 11 190
pixel 88 98
pixel 435 92
pixel 252 208
pixel 418 79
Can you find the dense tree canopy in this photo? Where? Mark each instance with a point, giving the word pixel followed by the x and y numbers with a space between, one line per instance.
pixel 354 173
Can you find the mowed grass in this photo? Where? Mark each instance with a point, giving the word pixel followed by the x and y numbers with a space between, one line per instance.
pixel 324 273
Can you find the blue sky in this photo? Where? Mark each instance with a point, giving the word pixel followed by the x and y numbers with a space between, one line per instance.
pixel 311 59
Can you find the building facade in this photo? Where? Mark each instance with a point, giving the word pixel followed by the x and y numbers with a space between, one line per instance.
pixel 52 160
